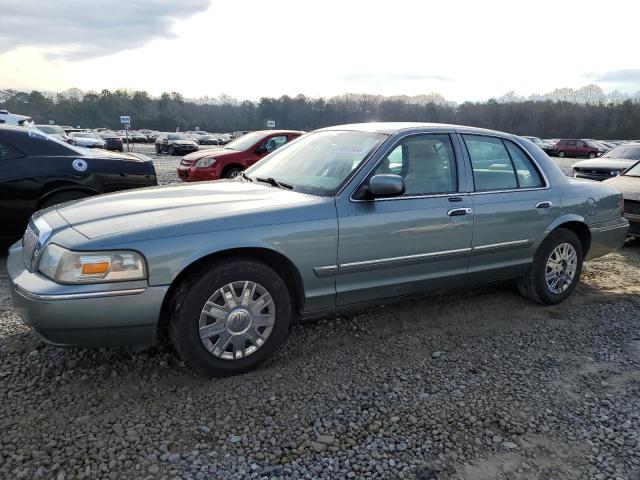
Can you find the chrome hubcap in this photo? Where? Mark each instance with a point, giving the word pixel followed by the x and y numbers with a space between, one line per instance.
pixel 561 268
pixel 237 319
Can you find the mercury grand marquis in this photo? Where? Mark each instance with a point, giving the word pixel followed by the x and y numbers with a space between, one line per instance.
pixel 341 217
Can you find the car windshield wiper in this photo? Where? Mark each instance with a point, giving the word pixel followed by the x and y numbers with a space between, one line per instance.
pixel 246 177
pixel 275 183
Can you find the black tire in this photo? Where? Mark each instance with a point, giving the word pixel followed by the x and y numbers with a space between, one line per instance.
pixel 63 197
pixel 591 155
pixel 231 172
pixel 534 286
pixel 158 149
pixel 561 154
pixel 190 298
pixel 172 150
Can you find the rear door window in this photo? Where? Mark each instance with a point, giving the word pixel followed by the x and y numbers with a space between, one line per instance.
pixel 527 173
pixel 491 164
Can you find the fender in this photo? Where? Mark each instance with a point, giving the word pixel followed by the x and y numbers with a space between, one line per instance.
pixel 569 217
pixel 78 187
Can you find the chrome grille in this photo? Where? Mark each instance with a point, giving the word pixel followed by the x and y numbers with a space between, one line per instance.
pixel 29 243
pixel 632 207
pixel 37 233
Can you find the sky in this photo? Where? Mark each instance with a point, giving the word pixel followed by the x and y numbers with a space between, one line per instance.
pixel 462 49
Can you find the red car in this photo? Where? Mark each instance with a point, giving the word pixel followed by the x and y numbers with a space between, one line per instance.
pixel 227 162
pixel 576 147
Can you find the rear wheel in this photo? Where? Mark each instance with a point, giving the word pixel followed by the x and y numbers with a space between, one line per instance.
pixel 231 172
pixel 561 154
pixel 555 270
pixel 231 318
pixel 591 155
pixel 63 197
pixel 158 149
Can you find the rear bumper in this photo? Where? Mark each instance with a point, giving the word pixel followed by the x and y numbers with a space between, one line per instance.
pixel 607 237
pixel 77 316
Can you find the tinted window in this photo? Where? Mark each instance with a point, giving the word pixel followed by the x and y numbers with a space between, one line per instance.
pixel 275 142
pixel 492 167
pixel 7 152
pixel 528 175
pixel 426 162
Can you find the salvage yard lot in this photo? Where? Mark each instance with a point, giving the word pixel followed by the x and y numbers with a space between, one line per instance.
pixel 477 384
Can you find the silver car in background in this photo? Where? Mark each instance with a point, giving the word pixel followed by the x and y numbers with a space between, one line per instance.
pixel 339 218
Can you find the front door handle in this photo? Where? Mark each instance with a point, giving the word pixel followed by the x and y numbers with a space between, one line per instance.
pixel 546 204
pixel 456 212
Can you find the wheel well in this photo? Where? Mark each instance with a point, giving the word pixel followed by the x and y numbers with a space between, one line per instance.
pixel 232 165
pixel 281 264
pixel 62 191
pixel 582 231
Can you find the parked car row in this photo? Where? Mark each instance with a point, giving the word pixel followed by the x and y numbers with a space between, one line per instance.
pixel 337 218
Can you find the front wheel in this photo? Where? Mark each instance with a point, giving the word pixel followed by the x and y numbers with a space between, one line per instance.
pixel 172 150
pixel 561 154
pixel 556 269
pixel 591 155
pixel 231 172
pixel 231 318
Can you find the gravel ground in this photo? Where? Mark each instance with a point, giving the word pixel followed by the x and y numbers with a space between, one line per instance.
pixel 478 384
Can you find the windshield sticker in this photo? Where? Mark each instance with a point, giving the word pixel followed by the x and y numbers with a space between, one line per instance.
pixel 347 149
pixel 37 134
pixel 79 165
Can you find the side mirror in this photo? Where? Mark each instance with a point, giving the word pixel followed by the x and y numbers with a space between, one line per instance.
pixel 261 149
pixel 385 185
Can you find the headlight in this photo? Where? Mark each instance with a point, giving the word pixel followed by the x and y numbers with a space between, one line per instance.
pixel 205 162
pixel 614 173
pixel 64 266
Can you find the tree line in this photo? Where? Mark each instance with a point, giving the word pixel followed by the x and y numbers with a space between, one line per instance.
pixel 543 118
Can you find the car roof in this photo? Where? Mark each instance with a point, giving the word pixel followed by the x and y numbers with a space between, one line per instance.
pixel 391 128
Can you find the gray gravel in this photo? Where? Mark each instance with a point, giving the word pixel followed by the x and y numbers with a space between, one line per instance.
pixel 478 384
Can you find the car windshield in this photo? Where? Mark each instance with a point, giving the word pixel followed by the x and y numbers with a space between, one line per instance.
pixel 51 129
pixel 245 141
pixel 628 152
pixel 633 171
pixel 318 163
pixel 176 136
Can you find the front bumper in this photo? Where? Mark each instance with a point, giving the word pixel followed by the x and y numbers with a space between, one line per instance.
pixel 607 237
pixel 189 174
pixel 115 314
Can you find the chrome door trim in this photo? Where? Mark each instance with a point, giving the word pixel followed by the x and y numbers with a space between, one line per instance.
pixel 494 246
pixel 384 262
pixel 325 271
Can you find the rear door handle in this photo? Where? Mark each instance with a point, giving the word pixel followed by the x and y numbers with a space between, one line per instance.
pixel 543 204
pixel 456 212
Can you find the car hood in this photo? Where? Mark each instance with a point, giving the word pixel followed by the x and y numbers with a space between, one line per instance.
pixel 211 152
pixel 629 186
pixel 612 163
pixel 160 211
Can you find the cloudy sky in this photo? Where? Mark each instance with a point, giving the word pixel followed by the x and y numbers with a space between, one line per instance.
pixel 463 49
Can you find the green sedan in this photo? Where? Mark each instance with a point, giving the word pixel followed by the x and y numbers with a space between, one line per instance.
pixel 340 218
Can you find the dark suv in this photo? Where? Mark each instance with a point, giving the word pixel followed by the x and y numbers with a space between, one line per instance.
pixel 576 147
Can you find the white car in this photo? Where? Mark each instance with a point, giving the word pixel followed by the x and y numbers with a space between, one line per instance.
pixel 87 140
pixel 13 119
